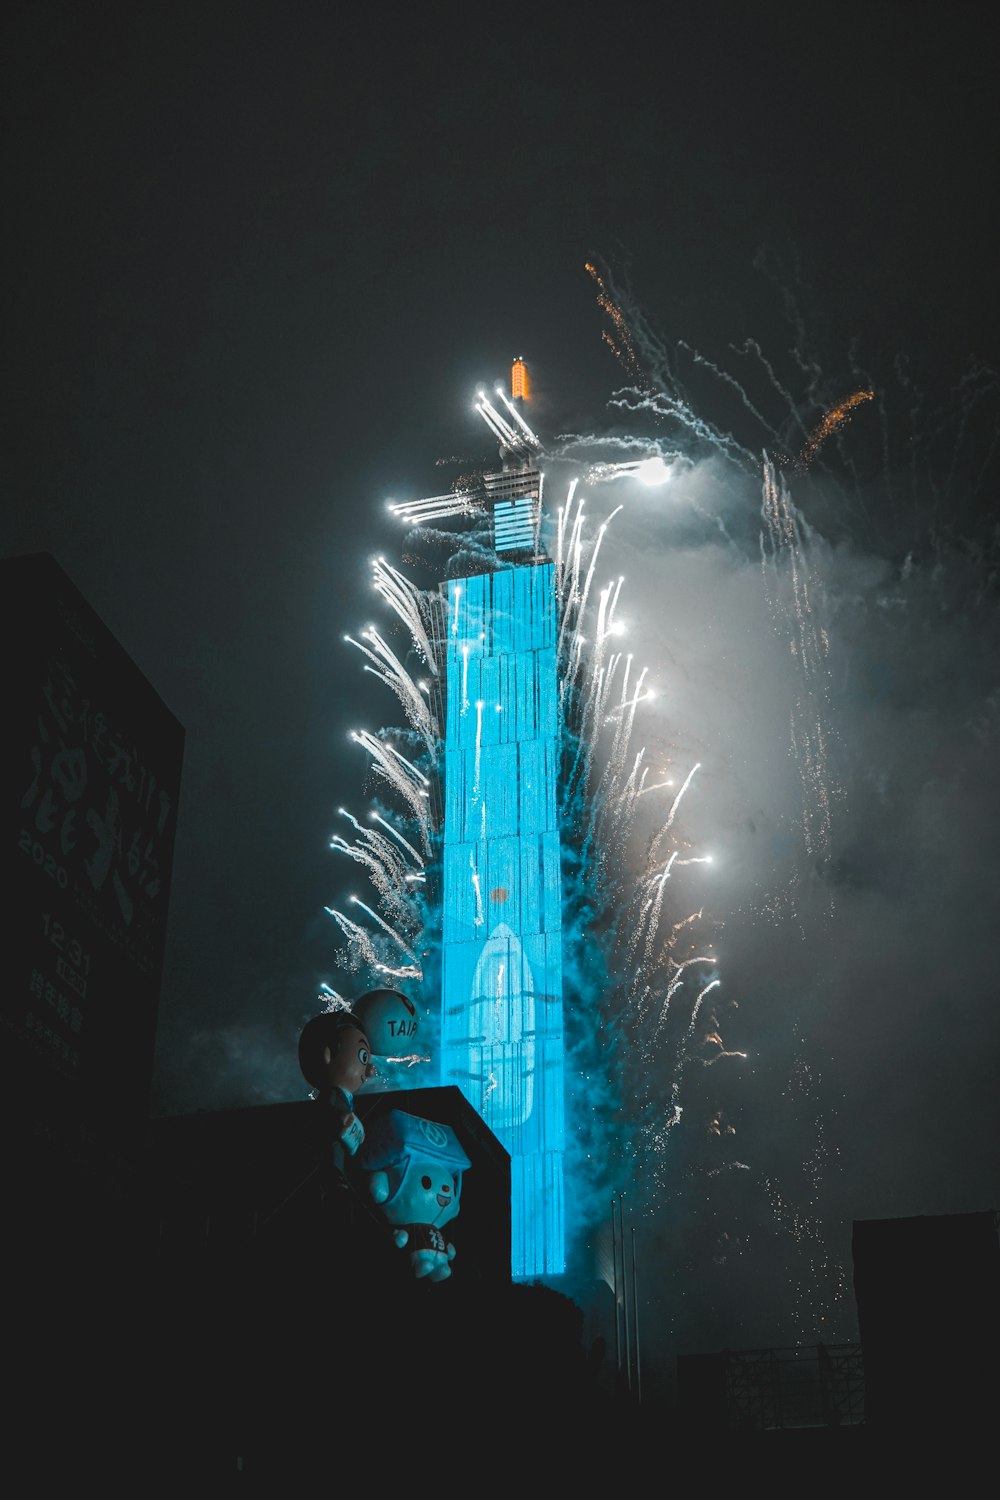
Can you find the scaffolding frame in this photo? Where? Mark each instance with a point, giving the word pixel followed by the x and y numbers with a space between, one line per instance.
pixel 803 1386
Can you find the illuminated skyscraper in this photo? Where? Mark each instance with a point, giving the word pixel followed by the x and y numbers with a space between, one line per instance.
pixel 501 1022
pixel 501 1016
pixel 501 1005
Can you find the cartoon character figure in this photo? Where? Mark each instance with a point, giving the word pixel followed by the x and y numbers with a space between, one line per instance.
pixel 335 1058
pixel 392 1022
pixel 414 1173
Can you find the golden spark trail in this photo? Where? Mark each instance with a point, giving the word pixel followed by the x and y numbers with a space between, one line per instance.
pixel 832 420
pixel 623 350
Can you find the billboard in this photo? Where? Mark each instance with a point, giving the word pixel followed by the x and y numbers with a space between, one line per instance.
pixel 91 767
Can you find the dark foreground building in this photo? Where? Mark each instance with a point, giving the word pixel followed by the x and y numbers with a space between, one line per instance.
pixel 928 1299
pixel 90 769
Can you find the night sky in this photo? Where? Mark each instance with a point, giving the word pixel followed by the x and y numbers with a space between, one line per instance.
pixel 258 260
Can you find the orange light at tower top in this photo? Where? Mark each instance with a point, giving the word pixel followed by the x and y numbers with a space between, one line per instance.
pixel 520 388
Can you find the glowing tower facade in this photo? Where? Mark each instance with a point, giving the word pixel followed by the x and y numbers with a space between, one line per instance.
pixel 502 1002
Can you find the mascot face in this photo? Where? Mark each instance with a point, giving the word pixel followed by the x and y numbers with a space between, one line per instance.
pixel 334 1052
pixel 348 1064
pixel 428 1194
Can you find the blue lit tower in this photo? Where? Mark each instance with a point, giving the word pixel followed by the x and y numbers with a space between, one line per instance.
pixel 502 1004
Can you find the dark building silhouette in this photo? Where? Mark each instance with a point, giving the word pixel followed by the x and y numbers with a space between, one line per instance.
pixel 90 771
pixel 286 1278
pixel 90 767
pixel 928 1299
